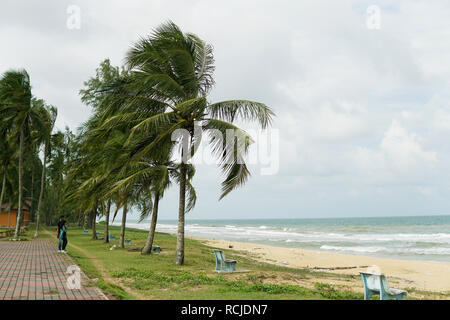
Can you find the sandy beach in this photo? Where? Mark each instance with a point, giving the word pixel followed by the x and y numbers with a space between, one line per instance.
pixel 422 275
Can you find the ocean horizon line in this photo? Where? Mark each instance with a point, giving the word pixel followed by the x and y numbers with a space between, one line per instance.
pixel 318 218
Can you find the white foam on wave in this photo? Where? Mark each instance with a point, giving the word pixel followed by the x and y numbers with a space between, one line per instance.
pixel 344 240
pixel 301 236
pixel 353 249
pixel 406 251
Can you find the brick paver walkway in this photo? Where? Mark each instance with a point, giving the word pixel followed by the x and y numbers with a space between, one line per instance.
pixel 34 270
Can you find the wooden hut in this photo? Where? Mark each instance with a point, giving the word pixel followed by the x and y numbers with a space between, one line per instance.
pixel 8 218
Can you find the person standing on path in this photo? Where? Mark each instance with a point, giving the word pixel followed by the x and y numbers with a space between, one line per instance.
pixel 62 238
pixel 60 224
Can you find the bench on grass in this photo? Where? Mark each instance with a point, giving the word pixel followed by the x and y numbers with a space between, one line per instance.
pixel 377 284
pixel 223 264
pixel 6 233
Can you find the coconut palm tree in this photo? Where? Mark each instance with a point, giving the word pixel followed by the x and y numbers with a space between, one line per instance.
pixel 6 158
pixel 171 74
pixel 49 122
pixel 152 178
pixel 94 92
pixel 19 111
pixel 83 189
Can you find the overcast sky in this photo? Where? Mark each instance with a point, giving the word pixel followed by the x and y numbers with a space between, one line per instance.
pixel 363 112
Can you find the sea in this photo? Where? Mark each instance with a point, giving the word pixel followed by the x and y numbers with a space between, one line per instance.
pixel 418 237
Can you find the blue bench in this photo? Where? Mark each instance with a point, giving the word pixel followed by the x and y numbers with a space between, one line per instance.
pixel 111 237
pixel 156 249
pixel 222 264
pixel 377 284
pixel 86 231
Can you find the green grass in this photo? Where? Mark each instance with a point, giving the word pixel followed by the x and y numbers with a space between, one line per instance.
pixel 28 234
pixel 157 277
pixel 330 292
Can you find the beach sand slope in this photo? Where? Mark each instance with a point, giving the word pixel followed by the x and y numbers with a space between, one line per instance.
pixel 422 275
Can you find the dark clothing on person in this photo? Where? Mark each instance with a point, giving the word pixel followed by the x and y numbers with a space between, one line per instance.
pixel 62 243
pixel 62 238
pixel 60 224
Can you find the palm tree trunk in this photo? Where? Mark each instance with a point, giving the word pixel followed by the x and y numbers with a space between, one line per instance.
pixel 151 234
pixel 9 213
pixel 3 189
pixel 41 194
pixel 122 229
pixel 31 198
pixel 108 208
pixel 93 218
pixel 179 255
pixel 88 220
pixel 19 209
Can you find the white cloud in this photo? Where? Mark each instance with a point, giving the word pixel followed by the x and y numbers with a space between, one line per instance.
pixel 399 156
pixel 357 109
pixel 441 120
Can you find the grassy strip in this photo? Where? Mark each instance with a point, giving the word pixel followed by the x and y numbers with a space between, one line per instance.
pixel 26 235
pixel 156 276
pixel 91 271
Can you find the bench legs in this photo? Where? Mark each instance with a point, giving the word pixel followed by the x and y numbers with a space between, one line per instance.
pixel 230 266
pixel 387 297
pixel 368 294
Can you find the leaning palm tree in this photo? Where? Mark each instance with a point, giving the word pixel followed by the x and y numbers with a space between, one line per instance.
pixel 49 122
pixel 171 74
pixel 82 187
pixel 6 158
pixel 19 111
pixel 152 178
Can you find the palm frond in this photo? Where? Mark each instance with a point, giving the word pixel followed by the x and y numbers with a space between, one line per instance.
pixel 242 110
pixel 231 153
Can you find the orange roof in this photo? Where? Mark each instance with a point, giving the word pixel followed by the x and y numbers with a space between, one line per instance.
pixel 25 207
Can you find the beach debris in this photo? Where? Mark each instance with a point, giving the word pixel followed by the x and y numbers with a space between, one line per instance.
pixel 285 262
pixel 230 246
pixel 336 268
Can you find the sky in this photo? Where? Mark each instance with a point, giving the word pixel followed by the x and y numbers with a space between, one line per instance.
pixel 361 90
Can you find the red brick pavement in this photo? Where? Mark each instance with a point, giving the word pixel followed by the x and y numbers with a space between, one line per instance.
pixel 34 270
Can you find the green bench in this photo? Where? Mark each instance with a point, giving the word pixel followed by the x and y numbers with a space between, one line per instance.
pixel 156 249
pixel 377 284
pixel 222 264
